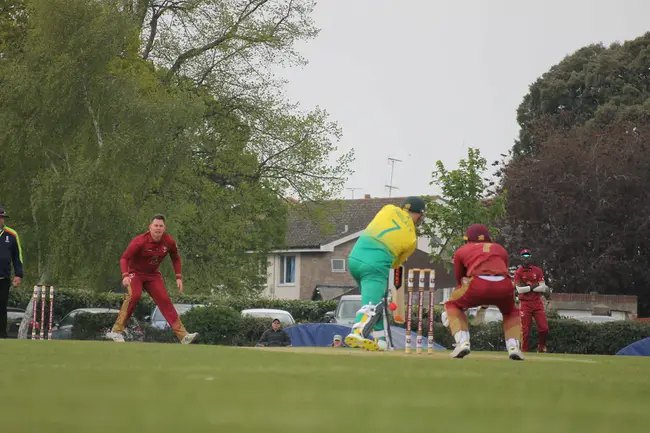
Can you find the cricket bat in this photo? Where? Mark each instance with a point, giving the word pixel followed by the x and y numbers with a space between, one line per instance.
pixel 396 282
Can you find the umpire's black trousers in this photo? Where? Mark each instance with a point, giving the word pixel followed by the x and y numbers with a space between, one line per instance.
pixel 5 283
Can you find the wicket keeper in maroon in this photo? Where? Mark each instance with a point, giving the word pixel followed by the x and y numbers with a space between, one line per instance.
pixel 139 265
pixel 481 268
pixel 529 281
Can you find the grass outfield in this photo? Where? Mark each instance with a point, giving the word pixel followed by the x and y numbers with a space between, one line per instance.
pixel 97 387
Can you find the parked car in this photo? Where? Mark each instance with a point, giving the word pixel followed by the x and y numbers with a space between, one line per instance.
pixel 346 310
pixel 63 330
pixel 14 318
pixel 492 314
pixel 157 319
pixel 596 319
pixel 285 317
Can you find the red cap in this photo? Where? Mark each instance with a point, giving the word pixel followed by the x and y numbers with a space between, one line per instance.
pixel 525 252
pixel 477 233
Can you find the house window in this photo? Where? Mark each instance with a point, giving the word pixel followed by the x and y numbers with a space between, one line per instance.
pixel 338 265
pixel 287 269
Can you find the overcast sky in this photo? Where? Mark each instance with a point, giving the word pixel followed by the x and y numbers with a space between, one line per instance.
pixel 433 77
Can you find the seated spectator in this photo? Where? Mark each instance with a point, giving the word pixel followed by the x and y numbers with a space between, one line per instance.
pixel 338 341
pixel 275 337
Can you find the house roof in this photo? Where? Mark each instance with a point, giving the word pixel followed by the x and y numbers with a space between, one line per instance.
pixel 347 219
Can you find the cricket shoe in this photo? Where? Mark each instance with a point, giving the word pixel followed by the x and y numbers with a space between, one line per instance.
pixel 356 340
pixel 515 354
pixel 541 349
pixel 115 336
pixel 189 338
pixel 461 350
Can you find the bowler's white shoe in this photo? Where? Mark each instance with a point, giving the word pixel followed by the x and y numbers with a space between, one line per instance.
pixel 515 354
pixel 189 338
pixel 461 350
pixel 115 336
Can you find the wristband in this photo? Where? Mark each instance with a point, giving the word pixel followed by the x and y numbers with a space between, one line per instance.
pixel 178 276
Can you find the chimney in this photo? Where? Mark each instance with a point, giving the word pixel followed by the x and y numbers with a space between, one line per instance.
pixel 366 196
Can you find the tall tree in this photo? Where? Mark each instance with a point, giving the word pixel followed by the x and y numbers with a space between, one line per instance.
pixel 582 203
pixel 231 48
pixel 95 141
pixel 593 86
pixel 465 200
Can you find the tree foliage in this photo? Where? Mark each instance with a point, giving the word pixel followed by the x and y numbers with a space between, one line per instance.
pixel 465 200
pixel 231 49
pixel 581 203
pixel 593 86
pixel 578 182
pixel 101 130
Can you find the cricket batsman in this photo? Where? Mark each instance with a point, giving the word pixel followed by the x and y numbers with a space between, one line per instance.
pixel 139 265
pixel 529 281
pixel 481 268
pixel 386 243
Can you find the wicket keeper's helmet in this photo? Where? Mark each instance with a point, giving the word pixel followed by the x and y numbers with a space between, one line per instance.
pixel 477 233
pixel 413 204
pixel 3 212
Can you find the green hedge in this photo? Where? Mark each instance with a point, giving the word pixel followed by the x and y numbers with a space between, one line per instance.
pixel 215 324
pixel 565 336
pixel 221 323
pixel 68 299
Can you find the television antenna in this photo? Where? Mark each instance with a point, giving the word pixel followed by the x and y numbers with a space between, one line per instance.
pixel 390 186
pixel 352 190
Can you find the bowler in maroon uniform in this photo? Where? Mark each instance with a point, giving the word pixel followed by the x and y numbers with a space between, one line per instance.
pixel 139 265
pixel 481 268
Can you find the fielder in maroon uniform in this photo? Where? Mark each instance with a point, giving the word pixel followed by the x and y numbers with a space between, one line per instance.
pixel 139 265
pixel 529 281
pixel 481 268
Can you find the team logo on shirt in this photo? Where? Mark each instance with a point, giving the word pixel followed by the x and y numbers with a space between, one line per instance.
pixel 164 249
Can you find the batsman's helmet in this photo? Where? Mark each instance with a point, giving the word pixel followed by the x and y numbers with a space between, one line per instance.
pixel 477 233
pixel 413 204
pixel 3 212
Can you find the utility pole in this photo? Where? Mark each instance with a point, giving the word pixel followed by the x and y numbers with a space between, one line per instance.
pixel 352 189
pixel 390 186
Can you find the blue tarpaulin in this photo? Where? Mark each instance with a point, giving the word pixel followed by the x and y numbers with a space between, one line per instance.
pixel 322 334
pixel 638 348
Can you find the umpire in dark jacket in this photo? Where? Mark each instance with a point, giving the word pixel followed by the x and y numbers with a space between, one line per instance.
pixel 10 254
pixel 275 337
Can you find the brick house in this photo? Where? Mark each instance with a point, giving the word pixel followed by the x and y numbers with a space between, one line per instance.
pixel 314 265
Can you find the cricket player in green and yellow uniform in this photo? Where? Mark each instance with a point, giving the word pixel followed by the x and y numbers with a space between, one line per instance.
pixel 386 243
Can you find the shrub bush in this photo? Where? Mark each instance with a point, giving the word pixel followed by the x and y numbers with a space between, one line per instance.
pixel 68 299
pixel 221 323
pixel 215 324
pixel 87 326
pixel 225 326
pixel 565 336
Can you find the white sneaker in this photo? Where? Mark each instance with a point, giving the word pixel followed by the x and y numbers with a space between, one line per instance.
pixel 461 350
pixel 515 354
pixel 115 336
pixel 189 338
